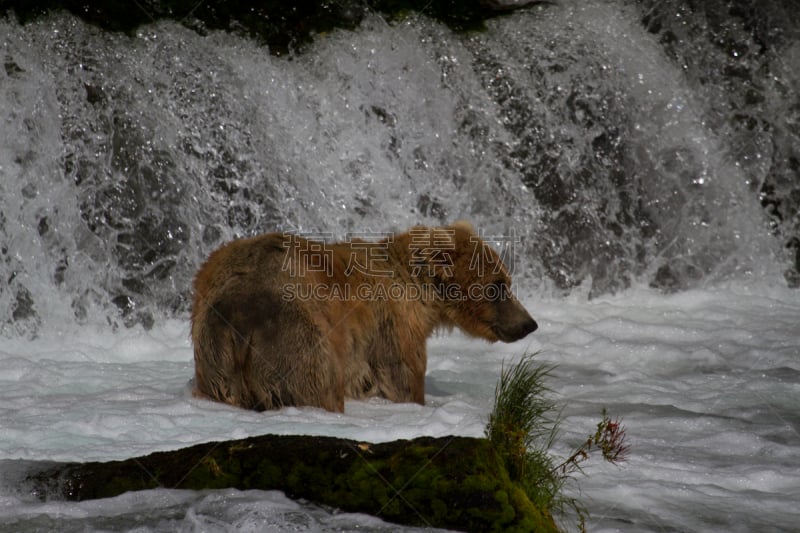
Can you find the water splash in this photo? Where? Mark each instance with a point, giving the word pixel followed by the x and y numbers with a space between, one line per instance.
pixel 576 128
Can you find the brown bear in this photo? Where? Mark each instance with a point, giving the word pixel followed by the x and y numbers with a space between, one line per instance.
pixel 281 320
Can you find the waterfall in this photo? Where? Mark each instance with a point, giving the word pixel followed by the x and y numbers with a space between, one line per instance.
pixel 619 143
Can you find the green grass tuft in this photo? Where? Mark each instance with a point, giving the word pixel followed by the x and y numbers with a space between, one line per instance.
pixel 522 428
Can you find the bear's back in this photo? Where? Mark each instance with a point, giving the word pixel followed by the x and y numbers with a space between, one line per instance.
pixel 251 261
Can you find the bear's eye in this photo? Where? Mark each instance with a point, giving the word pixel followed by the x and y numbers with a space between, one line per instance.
pixel 497 291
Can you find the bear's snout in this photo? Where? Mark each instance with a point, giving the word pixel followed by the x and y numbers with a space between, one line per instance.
pixel 517 331
pixel 513 322
pixel 529 326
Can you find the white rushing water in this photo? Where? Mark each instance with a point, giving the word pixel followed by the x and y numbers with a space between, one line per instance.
pixel 706 381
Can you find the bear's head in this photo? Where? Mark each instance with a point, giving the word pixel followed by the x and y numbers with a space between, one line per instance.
pixel 475 286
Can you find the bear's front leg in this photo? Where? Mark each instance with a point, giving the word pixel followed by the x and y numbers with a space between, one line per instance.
pixel 416 364
pixel 401 377
pixel 417 392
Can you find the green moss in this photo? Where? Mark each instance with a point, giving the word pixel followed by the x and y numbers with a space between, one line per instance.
pixel 439 509
pixel 119 484
pixel 456 483
pixel 507 513
pixel 265 474
pixel 471 485
pixel 362 487
pixel 213 472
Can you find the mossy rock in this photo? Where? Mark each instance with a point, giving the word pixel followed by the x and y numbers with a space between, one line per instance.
pixel 449 482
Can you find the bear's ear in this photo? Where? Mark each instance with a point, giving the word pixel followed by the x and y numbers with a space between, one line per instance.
pixel 463 225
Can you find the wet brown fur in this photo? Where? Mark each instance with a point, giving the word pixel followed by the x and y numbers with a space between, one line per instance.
pixel 258 345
